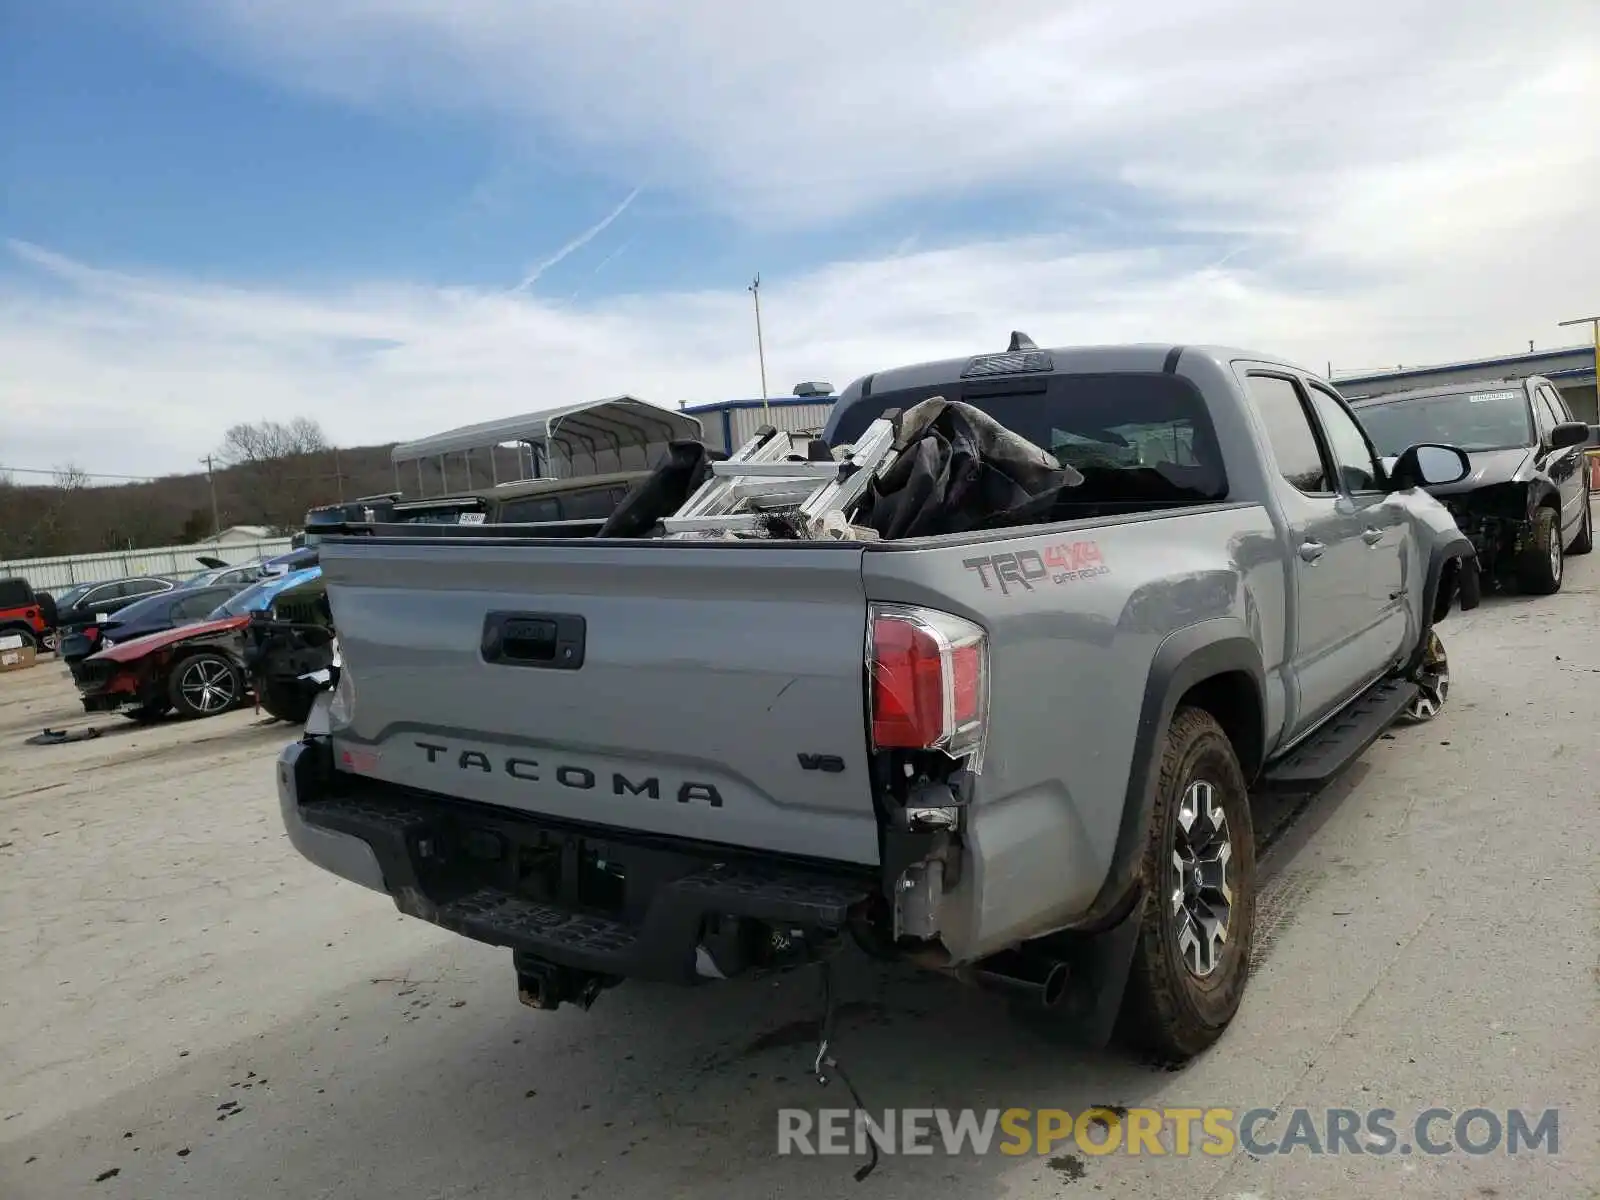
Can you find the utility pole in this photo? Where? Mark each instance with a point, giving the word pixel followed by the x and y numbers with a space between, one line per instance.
pixel 338 474
pixel 211 482
pixel 761 352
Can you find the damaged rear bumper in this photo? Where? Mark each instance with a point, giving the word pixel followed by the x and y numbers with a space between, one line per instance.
pixel 594 901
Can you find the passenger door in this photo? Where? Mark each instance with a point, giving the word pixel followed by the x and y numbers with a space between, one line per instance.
pixel 1565 466
pixel 1327 589
pixel 1386 529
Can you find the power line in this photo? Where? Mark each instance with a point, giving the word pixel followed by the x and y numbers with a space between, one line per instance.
pixel 76 471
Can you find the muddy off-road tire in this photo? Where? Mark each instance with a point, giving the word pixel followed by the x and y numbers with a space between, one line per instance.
pixel 1584 542
pixel 1542 564
pixel 204 684
pixel 1199 866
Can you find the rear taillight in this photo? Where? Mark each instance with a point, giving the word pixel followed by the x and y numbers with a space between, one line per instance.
pixel 92 632
pixel 929 677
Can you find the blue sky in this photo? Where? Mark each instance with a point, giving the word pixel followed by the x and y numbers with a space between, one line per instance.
pixel 222 210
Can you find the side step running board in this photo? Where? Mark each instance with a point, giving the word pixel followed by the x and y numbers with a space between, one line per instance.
pixel 1341 740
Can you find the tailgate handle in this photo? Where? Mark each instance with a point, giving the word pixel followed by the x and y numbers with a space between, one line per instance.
pixel 554 641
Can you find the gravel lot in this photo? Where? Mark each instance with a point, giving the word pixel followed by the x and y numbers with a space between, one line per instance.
pixel 188 1009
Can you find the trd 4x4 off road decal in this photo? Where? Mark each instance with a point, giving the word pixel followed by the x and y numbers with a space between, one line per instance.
pixel 1063 562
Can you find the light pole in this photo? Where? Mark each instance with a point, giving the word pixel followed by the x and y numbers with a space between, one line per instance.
pixel 761 352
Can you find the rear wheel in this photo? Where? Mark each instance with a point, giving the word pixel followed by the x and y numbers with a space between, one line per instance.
pixel 1584 542
pixel 1542 563
pixel 204 685
pixel 1193 953
pixel 287 700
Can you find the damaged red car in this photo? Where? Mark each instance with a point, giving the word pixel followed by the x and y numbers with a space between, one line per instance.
pixel 195 670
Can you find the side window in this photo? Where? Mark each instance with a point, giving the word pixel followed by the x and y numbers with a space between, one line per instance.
pixel 1542 417
pixel 1352 457
pixel 593 505
pixel 144 587
pixel 1294 444
pixel 523 512
pixel 104 594
pixel 197 605
pixel 1554 404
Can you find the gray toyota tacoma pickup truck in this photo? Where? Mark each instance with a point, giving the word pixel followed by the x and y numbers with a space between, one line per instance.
pixel 1020 753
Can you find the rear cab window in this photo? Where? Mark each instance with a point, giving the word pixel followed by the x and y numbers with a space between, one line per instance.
pixel 1138 437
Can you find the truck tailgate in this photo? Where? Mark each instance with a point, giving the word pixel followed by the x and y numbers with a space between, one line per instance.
pixel 717 693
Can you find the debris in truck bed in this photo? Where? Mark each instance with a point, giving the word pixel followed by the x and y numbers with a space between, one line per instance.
pixel 958 470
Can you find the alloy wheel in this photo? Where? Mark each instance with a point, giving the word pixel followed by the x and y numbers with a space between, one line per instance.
pixel 209 685
pixel 1202 891
pixel 1433 680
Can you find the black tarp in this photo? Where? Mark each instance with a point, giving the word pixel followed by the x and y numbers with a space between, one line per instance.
pixel 958 470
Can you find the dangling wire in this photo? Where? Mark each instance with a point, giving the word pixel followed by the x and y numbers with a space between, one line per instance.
pixel 826 1062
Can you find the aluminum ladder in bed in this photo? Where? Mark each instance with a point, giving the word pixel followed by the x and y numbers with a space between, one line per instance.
pixel 771 474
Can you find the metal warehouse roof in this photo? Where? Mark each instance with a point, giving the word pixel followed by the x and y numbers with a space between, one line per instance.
pixel 599 424
pixel 1569 364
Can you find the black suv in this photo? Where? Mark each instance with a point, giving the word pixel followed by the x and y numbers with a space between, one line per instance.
pixel 77 608
pixel 1525 503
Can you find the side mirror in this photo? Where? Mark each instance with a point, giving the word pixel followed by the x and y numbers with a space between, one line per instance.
pixel 1429 465
pixel 1569 433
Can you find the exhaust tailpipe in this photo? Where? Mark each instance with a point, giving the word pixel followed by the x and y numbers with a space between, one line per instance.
pixel 1040 981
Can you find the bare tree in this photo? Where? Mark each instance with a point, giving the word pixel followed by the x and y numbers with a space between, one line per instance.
pixel 70 477
pixel 281 463
pixel 267 441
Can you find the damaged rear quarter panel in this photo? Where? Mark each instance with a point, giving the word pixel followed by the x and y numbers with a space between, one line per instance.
pixel 1075 614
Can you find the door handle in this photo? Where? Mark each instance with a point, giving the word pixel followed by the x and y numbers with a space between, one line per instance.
pixel 1311 551
pixel 1372 537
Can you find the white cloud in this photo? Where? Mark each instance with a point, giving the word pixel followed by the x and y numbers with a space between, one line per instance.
pixel 1373 182
pixel 806 110
pixel 137 373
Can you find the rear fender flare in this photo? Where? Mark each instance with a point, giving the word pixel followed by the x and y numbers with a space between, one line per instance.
pixel 1186 657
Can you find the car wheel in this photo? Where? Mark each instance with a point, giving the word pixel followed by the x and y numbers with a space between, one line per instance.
pixel 1193 952
pixel 1584 542
pixel 1433 678
pixel 287 701
pixel 205 684
pixel 1542 563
